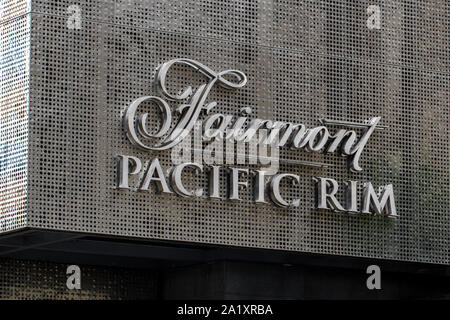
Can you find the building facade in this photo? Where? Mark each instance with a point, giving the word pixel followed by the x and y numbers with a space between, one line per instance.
pixel 80 184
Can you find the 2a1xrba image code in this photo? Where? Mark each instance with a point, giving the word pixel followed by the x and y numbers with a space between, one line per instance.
pixel 225 310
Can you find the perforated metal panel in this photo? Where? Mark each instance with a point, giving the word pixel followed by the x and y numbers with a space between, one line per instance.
pixel 14 86
pixel 30 280
pixel 305 60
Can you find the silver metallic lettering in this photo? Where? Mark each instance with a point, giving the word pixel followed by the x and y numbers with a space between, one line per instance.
pixel 124 170
pixel 275 190
pixel 384 204
pixel 159 179
pixel 176 181
pixel 235 184
pixel 326 194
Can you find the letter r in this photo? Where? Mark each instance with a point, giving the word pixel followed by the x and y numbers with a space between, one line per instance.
pixel 326 190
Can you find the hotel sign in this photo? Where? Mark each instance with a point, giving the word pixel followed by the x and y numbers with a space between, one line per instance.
pixel 193 106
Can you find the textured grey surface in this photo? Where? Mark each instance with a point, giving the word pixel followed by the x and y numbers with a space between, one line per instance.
pixel 31 280
pixel 14 99
pixel 305 60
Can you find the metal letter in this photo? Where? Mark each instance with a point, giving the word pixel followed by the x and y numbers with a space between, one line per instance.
pixel 259 186
pixel 322 133
pixel 177 184
pixel 214 182
pixel 124 170
pixel 235 183
pixel 384 204
pixel 129 122
pixel 326 198
pixel 191 112
pixel 160 179
pixel 350 196
pixel 275 190
pixel 357 150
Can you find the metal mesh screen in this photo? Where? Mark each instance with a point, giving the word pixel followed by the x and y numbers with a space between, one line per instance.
pixel 305 60
pixel 14 86
pixel 30 280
